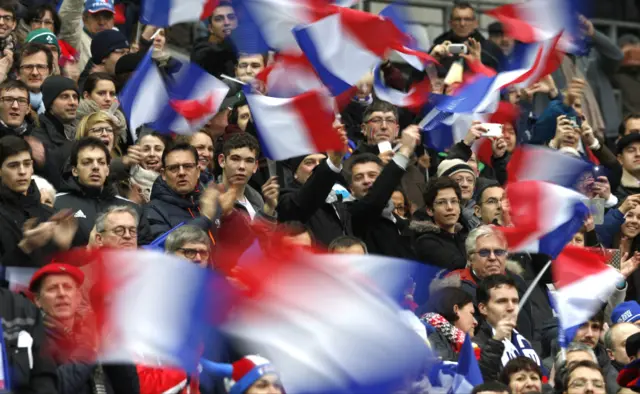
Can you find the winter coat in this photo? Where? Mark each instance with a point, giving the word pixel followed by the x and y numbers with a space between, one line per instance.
pixel 15 209
pixel 545 128
pixel 19 315
pixel 491 56
pixel 306 203
pixel 382 235
pixel 72 29
pixel 87 203
pixel 58 148
pixel 168 209
pixel 442 346
pixel 436 247
pixel 216 59
pixel 628 186
pixel 26 129
pixel 254 198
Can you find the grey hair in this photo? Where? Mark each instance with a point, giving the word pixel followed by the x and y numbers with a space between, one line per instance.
pixel 44 184
pixel 574 347
pixel 102 217
pixel 183 235
pixel 479 232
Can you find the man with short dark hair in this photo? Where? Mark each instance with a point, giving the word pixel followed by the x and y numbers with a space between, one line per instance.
pixel 440 241
pixel 87 192
pixel 8 23
pixel 35 65
pixel 60 98
pixel 488 207
pixel 347 244
pixel 14 108
pixel 216 53
pixel 81 21
pixel 463 25
pixel 497 298
pixel 250 65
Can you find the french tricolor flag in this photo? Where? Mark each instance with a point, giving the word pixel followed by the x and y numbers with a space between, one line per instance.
pixel 144 95
pixel 583 283
pixel 545 217
pixel 170 12
pixel 534 163
pixel 289 75
pixel 346 45
pixel 415 98
pixel 194 97
pixel 540 20
pixel 289 127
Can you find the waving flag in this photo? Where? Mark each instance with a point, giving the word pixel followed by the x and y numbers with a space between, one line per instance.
pixel 290 75
pixel 360 345
pixel 289 127
pixel 533 163
pixel 170 12
pixel 194 98
pixel 545 217
pixel 144 95
pixel 457 378
pixel 539 20
pixel 346 45
pixel 583 283
pixel 417 96
pixel 398 13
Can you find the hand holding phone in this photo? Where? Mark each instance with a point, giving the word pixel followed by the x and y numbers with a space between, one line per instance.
pixel 493 129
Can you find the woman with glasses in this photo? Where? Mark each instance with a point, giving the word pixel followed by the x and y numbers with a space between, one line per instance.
pixel 99 94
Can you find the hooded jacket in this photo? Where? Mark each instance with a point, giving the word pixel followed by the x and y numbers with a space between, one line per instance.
pixel 307 203
pixel 87 203
pixel 436 247
pixel 168 209
pixel 15 209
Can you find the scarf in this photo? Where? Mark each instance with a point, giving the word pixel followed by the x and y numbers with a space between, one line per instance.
pixel 590 106
pixel 517 346
pixel 20 130
pixel 87 107
pixel 454 335
pixel 36 102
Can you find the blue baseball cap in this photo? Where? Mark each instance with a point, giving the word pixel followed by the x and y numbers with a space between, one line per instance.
pixel 627 312
pixel 94 6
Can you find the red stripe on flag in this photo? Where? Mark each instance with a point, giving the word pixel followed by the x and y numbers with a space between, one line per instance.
pixel 374 33
pixel 317 115
pixel 524 212
pixel 477 67
pixel 516 164
pixel 575 263
pixel 484 151
pixel 208 8
pixel 514 26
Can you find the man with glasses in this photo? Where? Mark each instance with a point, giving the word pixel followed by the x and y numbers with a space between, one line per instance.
pixel 36 64
pixel 176 197
pixel 43 16
pixel 464 30
pixel 584 377
pixel 8 23
pixel 87 193
pixel 191 243
pixel 117 228
pixel 488 208
pixel 14 107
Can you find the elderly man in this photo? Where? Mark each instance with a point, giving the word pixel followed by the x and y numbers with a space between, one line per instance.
pixel 615 341
pixel 191 243
pixel 117 228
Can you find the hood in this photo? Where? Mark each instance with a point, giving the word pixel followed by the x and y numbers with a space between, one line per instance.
pixel 427 226
pixel 161 191
pixel 71 186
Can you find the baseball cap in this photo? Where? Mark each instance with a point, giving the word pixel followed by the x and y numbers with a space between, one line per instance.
pixel 93 6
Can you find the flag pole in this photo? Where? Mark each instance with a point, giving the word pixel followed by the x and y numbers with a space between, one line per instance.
pixel 533 284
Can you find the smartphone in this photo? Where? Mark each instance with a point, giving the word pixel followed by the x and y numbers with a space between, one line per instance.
pixel 493 129
pixel 597 210
pixel 384 146
pixel 457 49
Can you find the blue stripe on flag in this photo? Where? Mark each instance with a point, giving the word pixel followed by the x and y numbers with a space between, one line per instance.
pixel 468 98
pixel 553 242
pixel 155 12
pixel 247 37
pixel 132 88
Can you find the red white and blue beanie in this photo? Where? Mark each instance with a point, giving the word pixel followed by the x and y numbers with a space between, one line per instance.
pixel 246 372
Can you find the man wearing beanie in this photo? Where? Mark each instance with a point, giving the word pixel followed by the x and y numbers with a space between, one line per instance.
pixel 48 39
pixel 465 177
pixel 81 21
pixel 107 48
pixel 312 198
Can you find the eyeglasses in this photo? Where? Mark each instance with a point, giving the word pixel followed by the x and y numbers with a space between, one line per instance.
pixel 42 22
pixel 389 121
pixel 7 18
pixel 101 130
pixel 453 201
pixel 186 166
pixel 120 230
pixel 41 68
pixel 582 383
pixel 22 102
pixel 484 253
pixel 192 253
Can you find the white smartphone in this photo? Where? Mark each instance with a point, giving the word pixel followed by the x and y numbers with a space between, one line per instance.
pixel 384 146
pixel 457 49
pixel 493 129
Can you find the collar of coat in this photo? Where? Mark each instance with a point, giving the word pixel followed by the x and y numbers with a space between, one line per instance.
pixel 629 180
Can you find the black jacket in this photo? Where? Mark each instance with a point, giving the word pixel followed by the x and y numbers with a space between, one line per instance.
pixel 492 56
pixel 307 204
pixel 26 129
pixel 216 59
pixel 168 209
pixel 87 203
pixel 51 131
pixel 380 234
pixel 57 146
pixel 15 209
pixel 436 247
pixel 20 315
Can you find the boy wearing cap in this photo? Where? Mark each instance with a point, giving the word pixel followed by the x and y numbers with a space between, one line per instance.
pixel 81 21
pixel 628 148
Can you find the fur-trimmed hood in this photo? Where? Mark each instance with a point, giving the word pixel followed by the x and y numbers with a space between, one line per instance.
pixel 427 226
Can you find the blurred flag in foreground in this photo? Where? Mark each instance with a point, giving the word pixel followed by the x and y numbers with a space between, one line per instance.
pixel 163 13
pixel 534 163
pixel 583 284
pixel 460 377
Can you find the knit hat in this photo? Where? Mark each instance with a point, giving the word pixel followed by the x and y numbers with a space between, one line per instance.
pixel 627 312
pixel 453 166
pixel 128 63
pixel 241 374
pixel 106 42
pixel 43 36
pixel 633 345
pixel 626 141
pixel 53 86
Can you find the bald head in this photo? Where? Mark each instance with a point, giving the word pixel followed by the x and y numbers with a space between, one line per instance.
pixel 615 341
